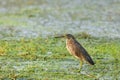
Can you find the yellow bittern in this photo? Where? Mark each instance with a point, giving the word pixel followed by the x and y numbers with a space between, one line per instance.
pixel 76 49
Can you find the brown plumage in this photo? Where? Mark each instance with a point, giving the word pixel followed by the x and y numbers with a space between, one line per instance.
pixel 76 49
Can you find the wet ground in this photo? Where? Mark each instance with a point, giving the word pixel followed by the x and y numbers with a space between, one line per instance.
pixel 31 18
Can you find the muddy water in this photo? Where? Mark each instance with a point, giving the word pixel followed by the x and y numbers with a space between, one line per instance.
pixel 49 17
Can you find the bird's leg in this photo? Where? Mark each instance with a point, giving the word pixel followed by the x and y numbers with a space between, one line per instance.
pixel 81 63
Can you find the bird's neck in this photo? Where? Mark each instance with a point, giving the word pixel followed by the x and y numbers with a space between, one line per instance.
pixel 70 41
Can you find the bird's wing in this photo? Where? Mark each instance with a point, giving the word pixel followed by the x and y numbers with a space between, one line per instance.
pixel 84 53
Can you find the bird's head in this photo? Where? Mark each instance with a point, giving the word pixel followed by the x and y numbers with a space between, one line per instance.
pixel 67 36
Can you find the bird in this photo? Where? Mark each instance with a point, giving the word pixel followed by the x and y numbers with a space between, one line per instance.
pixel 77 50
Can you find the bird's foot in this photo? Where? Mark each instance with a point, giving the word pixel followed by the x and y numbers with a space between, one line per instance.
pixel 79 70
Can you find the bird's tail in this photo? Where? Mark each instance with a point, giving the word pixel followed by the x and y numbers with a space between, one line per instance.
pixel 89 59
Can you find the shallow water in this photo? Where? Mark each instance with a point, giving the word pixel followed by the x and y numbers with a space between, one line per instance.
pixel 45 18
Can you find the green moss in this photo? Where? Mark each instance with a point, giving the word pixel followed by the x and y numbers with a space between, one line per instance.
pixel 48 59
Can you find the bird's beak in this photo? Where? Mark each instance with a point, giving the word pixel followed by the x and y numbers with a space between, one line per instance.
pixel 60 36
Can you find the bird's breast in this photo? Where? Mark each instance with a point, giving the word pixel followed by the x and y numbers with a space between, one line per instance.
pixel 73 48
pixel 70 46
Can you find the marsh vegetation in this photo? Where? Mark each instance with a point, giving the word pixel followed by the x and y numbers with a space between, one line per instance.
pixel 29 51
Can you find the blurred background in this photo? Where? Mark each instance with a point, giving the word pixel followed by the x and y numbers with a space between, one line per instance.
pixel 42 18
